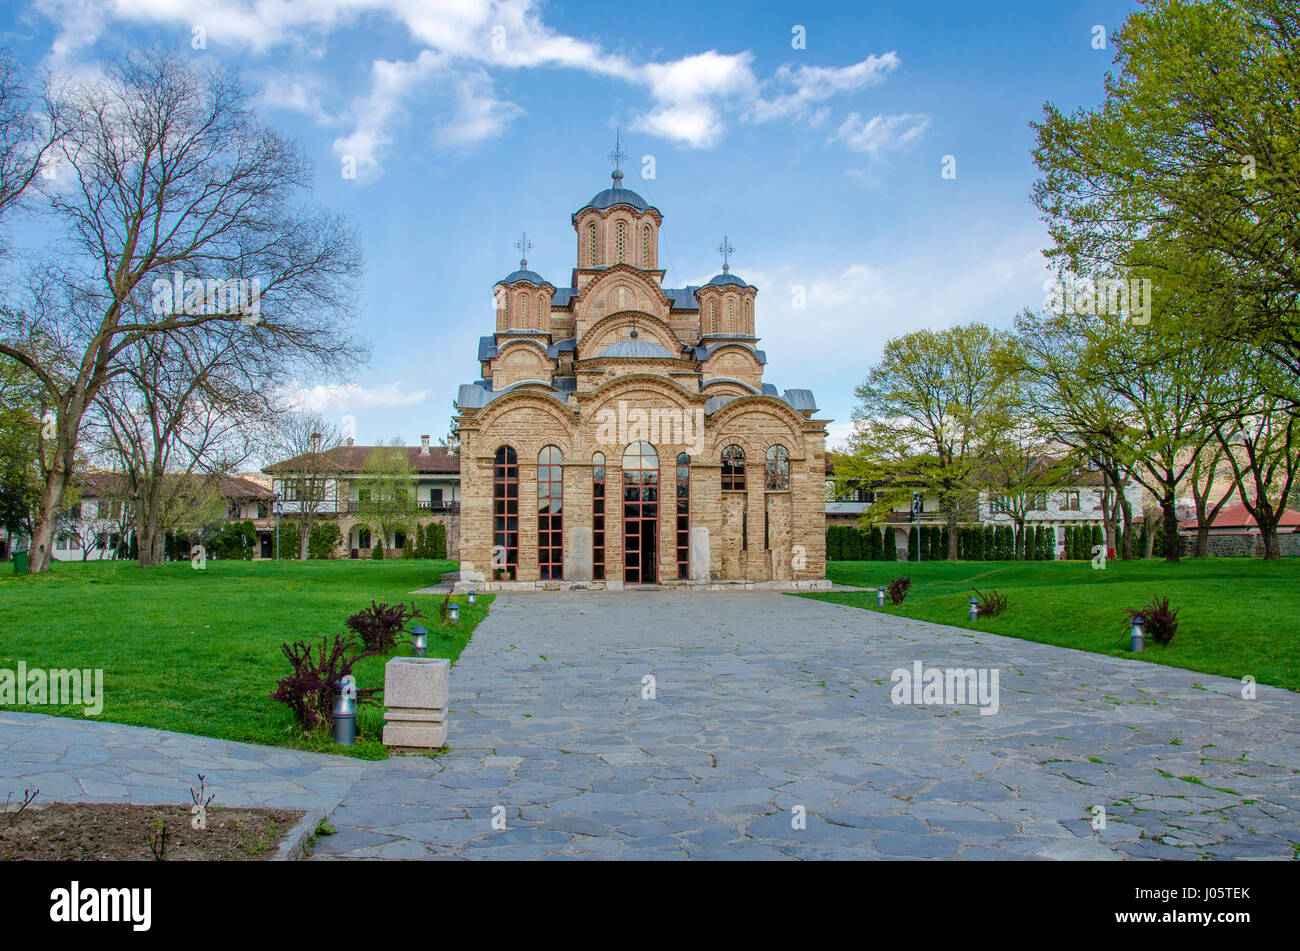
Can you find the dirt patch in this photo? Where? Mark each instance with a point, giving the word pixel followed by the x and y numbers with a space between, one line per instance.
pixel 64 831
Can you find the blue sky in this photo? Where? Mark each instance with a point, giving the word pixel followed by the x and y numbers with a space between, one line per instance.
pixel 469 121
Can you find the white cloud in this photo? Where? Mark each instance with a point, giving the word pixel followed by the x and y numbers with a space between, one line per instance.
pixel 813 84
pixel 881 134
pixel 464 42
pixel 349 397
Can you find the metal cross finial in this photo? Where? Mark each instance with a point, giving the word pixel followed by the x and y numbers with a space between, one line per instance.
pixel 618 156
pixel 726 250
pixel 523 244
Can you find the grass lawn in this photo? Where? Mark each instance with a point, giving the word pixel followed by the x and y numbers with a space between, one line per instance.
pixel 199 651
pixel 1237 616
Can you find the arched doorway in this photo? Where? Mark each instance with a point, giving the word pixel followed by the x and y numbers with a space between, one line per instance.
pixel 640 514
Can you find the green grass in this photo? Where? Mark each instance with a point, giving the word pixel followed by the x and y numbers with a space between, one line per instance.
pixel 1237 616
pixel 199 651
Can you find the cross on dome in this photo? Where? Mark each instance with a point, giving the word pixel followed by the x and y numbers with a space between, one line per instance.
pixel 523 244
pixel 726 250
pixel 618 157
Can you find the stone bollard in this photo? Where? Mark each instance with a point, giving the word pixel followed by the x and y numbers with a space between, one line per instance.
pixel 415 703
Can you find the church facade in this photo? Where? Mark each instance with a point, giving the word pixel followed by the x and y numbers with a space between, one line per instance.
pixel 622 434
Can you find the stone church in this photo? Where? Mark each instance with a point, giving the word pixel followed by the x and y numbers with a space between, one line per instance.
pixel 622 434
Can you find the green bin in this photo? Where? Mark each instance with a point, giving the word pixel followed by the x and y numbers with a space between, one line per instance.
pixel 20 562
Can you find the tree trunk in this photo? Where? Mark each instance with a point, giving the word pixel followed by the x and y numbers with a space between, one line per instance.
pixel 1173 550
pixel 1126 512
pixel 47 520
pixel 953 531
pixel 306 537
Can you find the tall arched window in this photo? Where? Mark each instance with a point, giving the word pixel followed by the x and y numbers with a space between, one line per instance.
pixel 620 241
pixel 646 239
pixel 591 244
pixel 733 469
pixel 731 316
pixel 598 517
pixel 523 312
pixel 713 316
pixel 778 469
pixel 749 319
pixel 640 514
pixel 537 315
pixel 505 515
pixel 550 514
pixel 683 516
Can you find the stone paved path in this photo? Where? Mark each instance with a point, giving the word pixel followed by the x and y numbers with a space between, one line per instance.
pixel 88 761
pixel 766 702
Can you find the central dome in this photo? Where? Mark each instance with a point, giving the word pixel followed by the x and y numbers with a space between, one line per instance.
pixel 617 195
pixel 635 347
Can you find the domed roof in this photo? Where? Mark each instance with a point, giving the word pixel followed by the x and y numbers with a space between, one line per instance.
pixel 617 195
pixel 524 275
pixel 635 347
pixel 724 278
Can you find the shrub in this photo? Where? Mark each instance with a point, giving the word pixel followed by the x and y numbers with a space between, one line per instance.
pixel 435 540
pixel 991 604
pixel 876 544
pixel 379 624
pixel 889 546
pixel 832 543
pixel 237 541
pixel 290 540
pixel 444 610
pixel 377 553
pixel 323 539
pixel 408 547
pixel 309 690
pixel 1158 620
pixel 897 590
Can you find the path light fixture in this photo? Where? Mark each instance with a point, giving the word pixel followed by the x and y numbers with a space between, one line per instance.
pixel 974 609
pixel 419 640
pixel 470 597
pixel 1137 636
pixel 345 712
pixel 453 612
pixel 880 596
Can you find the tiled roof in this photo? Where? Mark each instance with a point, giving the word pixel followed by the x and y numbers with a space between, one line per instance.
pixel 99 484
pixel 353 459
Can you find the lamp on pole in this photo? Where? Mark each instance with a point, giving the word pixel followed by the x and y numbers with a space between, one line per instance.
pixel 916 518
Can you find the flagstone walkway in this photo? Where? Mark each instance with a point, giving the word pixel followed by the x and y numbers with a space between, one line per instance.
pixel 771 734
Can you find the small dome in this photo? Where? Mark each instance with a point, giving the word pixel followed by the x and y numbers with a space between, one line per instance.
pixel 724 278
pixel 635 348
pixel 521 276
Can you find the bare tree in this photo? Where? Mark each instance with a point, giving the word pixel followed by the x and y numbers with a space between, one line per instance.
pixel 178 191
pixel 182 408
pixel 303 441
pixel 29 129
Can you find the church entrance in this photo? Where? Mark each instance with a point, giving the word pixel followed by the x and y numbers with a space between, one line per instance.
pixel 640 514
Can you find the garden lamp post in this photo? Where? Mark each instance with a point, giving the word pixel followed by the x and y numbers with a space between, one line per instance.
pixel 974 609
pixel 470 597
pixel 1137 636
pixel 453 612
pixel 277 526
pixel 419 640
pixel 345 712
pixel 880 596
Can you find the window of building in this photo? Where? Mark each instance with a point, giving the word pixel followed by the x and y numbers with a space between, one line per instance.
pixel 1072 503
pixel 505 514
pixel 598 516
pixel 399 539
pixel 363 539
pixel 731 316
pixel 620 241
pixel 683 516
pixel 646 238
pixel 749 321
pixel 550 514
pixel 733 469
pixel 591 244
pixel 778 469
pixel 713 316
pixel 640 514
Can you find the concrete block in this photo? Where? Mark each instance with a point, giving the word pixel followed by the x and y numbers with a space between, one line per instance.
pixel 421 682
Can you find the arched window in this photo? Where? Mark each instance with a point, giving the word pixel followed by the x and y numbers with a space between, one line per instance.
pixel 640 514
pixel 646 239
pixel 778 469
pixel 505 514
pixel 591 244
pixel 713 316
pixel 620 241
pixel 683 516
pixel 537 312
pixel 550 514
pixel 523 312
pixel 749 319
pixel 731 316
pixel 733 469
pixel 598 517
